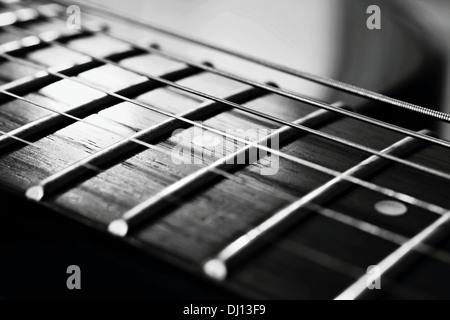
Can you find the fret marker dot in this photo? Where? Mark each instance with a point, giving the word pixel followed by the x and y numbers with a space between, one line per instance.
pixel 206 140
pixel 391 208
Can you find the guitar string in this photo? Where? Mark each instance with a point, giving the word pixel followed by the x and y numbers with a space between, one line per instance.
pixel 360 286
pixel 343 218
pixel 282 92
pixel 345 87
pixel 298 126
pixel 84 121
pixel 348 268
pixel 428 249
pixel 305 252
pixel 304 128
pixel 150 146
pixel 318 256
pixel 272 89
pixel 312 254
pixel 423 168
pixel 400 196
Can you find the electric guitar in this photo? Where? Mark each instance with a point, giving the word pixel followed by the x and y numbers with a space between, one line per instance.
pixel 212 149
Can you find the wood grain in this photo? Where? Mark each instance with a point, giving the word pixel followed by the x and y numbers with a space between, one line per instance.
pixel 317 258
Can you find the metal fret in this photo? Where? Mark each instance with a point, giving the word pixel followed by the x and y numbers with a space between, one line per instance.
pixel 271 88
pixel 414 244
pixel 217 267
pixel 365 184
pixel 134 217
pixel 379 232
pixel 114 152
pixel 345 87
pixel 276 90
pixel 389 192
pixel 104 157
pixel 33 42
pixel 103 100
pixel 29 14
pixel 368 185
pixel 44 78
pixel 365 227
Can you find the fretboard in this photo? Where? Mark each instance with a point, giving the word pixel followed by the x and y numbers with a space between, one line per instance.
pixel 263 192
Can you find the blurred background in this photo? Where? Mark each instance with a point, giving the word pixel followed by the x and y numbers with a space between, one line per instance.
pixel 440 22
pixel 323 37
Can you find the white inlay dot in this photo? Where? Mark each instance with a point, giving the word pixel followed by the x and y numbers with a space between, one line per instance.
pixel 206 140
pixel 391 208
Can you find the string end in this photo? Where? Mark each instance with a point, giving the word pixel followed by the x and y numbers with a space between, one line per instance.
pixel 35 193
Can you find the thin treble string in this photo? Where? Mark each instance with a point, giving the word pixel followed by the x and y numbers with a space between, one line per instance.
pixel 227 175
pixel 310 253
pixel 360 286
pixel 288 94
pixel 363 226
pixel 306 252
pixel 89 166
pixel 285 93
pixel 379 232
pixel 371 186
pixel 333 263
pixel 345 87
pixel 321 134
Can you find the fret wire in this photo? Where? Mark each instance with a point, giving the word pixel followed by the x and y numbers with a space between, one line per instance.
pixel 365 184
pixel 288 94
pixel 188 184
pixel 108 154
pixel 334 215
pixel 339 217
pixel 3 133
pixel 77 119
pixel 15 17
pixel 329 213
pixel 87 165
pixel 120 226
pixel 217 266
pixel 379 232
pixel 88 107
pixel 400 196
pixel 33 14
pixel 345 87
pixel 337 265
pixel 365 227
pixel 299 127
pixel 332 263
pixel 360 286
pixel 350 269
pixel 274 151
pixel 285 93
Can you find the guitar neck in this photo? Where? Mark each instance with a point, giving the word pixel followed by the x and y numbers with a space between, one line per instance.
pixel 254 189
